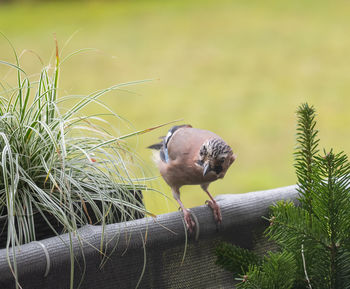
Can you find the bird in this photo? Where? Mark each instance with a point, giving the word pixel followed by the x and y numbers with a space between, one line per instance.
pixel 192 156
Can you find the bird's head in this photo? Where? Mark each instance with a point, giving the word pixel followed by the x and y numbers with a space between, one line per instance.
pixel 215 156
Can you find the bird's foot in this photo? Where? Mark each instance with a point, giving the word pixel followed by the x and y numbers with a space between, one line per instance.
pixel 190 224
pixel 216 210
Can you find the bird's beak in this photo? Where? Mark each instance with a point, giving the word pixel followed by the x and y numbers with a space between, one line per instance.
pixel 206 168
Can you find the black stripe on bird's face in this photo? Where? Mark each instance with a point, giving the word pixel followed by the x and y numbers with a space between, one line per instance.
pixel 207 167
pixel 217 169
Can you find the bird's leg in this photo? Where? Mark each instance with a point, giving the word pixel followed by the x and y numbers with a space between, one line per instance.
pixel 190 224
pixel 212 204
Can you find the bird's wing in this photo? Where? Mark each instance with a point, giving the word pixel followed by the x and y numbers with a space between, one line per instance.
pixel 185 142
pixel 164 154
pixel 163 145
pixel 172 131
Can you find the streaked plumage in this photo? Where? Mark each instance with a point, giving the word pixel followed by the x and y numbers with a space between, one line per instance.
pixel 191 156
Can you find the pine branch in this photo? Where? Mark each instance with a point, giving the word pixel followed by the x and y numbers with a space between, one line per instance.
pixel 276 272
pixel 291 225
pixel 333 207
pixel 235 259
pixel 315 237
pixel 306 150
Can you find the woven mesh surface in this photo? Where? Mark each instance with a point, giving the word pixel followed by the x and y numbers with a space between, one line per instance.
pixel 164 243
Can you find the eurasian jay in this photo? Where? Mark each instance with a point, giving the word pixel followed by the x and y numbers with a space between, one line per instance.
pixel 191 156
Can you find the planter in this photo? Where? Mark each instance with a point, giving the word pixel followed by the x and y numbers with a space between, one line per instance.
pixel 43 231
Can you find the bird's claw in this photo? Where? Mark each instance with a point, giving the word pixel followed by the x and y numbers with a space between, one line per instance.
pixel 190 224
pixel 216 210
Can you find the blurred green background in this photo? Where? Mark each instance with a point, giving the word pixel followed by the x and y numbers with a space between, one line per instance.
pixel 238 68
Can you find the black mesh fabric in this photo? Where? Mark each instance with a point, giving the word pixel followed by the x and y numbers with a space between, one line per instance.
pixel 147 253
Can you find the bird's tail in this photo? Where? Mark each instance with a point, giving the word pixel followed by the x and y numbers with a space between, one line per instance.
pixel 156 146
pixel 162 154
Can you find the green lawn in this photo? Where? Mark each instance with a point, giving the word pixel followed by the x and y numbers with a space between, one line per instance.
pixel 239 68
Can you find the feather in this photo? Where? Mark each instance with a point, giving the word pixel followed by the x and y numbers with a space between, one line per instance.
pixel 156 146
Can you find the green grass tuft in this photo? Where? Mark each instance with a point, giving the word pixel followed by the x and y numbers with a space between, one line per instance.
pixel 61 169
pixel 60 162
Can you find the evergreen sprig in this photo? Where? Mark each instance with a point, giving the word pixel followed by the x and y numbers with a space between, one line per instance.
pixel 306 150
pixel 276 272
pixel 236 259
pixel 317 233
pixel 314 238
